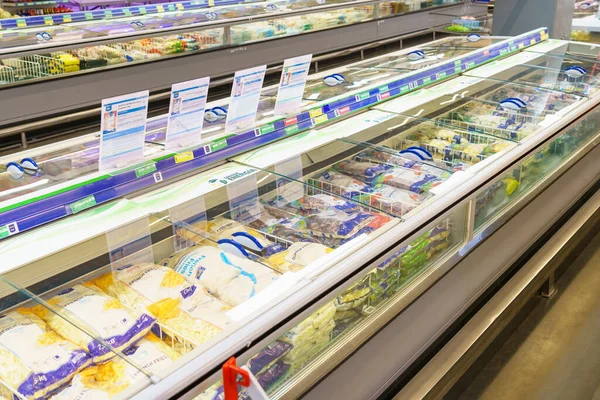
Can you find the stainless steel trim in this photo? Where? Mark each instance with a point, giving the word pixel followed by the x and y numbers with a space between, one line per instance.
pixel 443 370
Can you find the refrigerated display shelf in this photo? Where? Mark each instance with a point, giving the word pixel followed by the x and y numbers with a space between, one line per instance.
pixel 375 264
pixel 123 52
pixel 36 209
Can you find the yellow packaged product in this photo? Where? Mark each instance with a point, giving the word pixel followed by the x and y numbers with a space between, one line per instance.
pixel 298 256
pixel 34 360
pixel 103 317
pixel 305 331
pixel 149 356
pixel 184 308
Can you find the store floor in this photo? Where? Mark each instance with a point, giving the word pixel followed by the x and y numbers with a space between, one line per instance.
pixel 552 349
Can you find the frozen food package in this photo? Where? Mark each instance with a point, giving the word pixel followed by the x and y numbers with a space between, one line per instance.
pixel 149 356
pixel 310 346
pixel 364 170
pixel 311 326
pixel 394 200
pixel 84 385
pixel 438 233
pixel 449 136
pixel 33 359
pixel 268 356
pixel 298 256
pixel 409 179
pixel 353 297
pixel 179 306
pixel 323 202
pixel 389 156
pixel 148 286
pixel 273 374
pixel 334 223
pixel 231 278
pixel 436 247
pixel 341 184
pixel 107 317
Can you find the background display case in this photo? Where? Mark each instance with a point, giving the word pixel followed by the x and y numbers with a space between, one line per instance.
pixel 69 58
pixel 310 258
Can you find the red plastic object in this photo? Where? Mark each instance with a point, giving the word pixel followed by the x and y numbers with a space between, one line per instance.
pixel 230 379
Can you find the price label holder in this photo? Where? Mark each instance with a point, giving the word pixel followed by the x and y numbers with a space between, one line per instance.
pixel 186 113
pixel 130 244
pixel 245 96
pixel 291 85
pixel 122 130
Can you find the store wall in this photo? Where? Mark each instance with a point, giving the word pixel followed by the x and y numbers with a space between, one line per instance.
pixel 513 17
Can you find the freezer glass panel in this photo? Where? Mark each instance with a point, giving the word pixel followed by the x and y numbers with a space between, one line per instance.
pixel 286 222
pixel 281 364
pixel 439 146
pixel 511 111
pixel 286 26
pixel 390 8
pixel 577 50
pixel 565 74
pixel 18 69
pixel 532 171
pixel 67 341
pixel 377 178
pixel 131 24
pixel 54 168
pixel 433 55
pixel 32 37
pixel 320 89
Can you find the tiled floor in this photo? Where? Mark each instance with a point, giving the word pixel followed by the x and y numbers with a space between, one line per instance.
pixel 552 350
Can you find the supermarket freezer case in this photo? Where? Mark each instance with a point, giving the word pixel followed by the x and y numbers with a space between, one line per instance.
pixel 391 226
pixel 159 50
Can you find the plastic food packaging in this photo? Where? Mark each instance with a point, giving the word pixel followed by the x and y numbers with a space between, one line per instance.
pixel 408 179
pixel 394 200
pixel 34 360
pixel 298 256
pixel 364 170
pixel 353 297
pixel 232 279
pixel 333 223
pixel 179 306
pixel 342 185
pixel 323 202
pixel 149 356
pixel 390 158
pixel 310 347
pixel 312 326
pixel 272 375
pixel 268 356
pixel 87 306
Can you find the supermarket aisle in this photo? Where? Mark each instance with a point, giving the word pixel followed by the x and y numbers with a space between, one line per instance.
pixel 552 351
